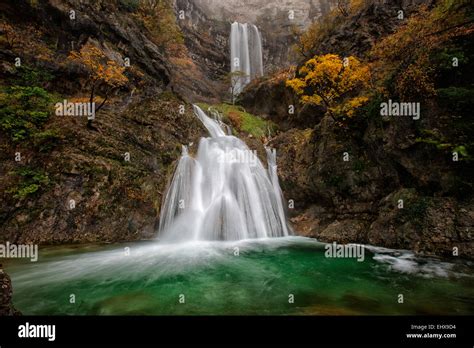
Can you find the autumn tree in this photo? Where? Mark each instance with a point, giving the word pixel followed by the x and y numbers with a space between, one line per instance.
pixel 104 75
pixel 333 82
pixel 428 60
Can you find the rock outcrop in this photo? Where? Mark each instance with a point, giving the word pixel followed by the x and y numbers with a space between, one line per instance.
pixel 6 306
pixel 381 196
pixel 270 98
pixel 113 198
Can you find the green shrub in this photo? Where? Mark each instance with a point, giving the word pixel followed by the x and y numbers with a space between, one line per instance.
pixel 457 99
pixel 30 182
pixel 27 76
pixel 23 111
pixel 129 5
pixel 47 139
pixel 433 138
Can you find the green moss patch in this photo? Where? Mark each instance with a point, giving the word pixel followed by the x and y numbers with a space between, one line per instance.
pixel 242 121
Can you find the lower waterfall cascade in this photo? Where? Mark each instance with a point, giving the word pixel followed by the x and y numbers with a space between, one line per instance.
pixel 224 193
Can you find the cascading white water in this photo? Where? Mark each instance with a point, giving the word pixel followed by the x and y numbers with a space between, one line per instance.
pixel 246 54
pixel 225 193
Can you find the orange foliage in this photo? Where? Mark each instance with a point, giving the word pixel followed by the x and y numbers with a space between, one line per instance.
pixel 10 36
pixel 235 119
pixel 405 55
pixel 26 40
pixel 100 68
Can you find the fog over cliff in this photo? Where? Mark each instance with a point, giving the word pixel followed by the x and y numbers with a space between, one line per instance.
pixel 259 11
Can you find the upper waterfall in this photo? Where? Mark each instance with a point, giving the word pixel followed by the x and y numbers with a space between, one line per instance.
pixel 224 193
pixel 246 54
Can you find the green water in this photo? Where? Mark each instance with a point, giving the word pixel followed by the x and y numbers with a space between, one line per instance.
pixel 260 280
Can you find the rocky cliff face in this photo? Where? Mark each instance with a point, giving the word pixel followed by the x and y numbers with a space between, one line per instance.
pixel 357 36
pixel 206 37
pixel 114 199
pixel 358 201
pixel 254 10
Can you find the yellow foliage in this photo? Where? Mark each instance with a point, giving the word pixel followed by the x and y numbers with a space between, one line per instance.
pixel 406 40
pixel 331 81
pixel 100 68
pixel 415 82
pixel 350 106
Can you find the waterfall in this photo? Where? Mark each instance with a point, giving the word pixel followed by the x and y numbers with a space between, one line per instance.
pixel 224 193
pixel 246 54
